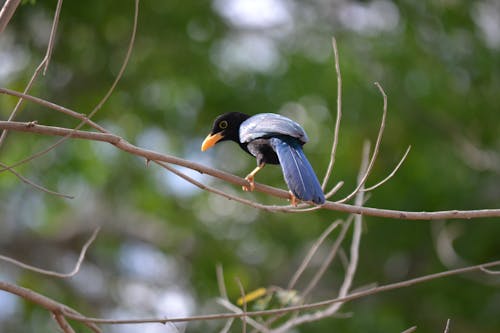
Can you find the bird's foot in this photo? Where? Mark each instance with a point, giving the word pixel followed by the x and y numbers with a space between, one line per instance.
pixel 251 184
pixel 293 200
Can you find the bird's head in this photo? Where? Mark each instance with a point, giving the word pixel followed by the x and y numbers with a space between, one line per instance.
pixel 225 127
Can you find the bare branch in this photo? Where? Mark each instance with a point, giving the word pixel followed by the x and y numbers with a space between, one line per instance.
pixel 311 306
pixel 45 302
pixel 334 189
pixel 312 252
pixel 36 186
pixel 353 262
pixel 52 37
pixel 222 290
pixel 447 327
pixel 329 258
pixel 8 10
pixel 490 271
pixel 63 323
pixel 53 106
pixel 75 270
pixel 220 281
pixel 410 330
pixel 279 193
pixel 123 66
pixel 362 182
pixel 99 105
pixel 243 298
pixel 339 116
pixel 252 322
pixel 21 99
pixel 383 181
pixel 43 64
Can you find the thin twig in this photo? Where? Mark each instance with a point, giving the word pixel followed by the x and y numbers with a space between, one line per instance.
pixel 43 64
pixel 242 295
pixel 389 176
pixel 54 107
pixel 220 281
pixel 362 182
pixel 103 100
pixel 410 330
pixel 222 290
pixel 63 323
pixel 36 186
pixel 21 99
pixel 490 271
pixel 337 121
pixel 447 327
pixel 8 10
pixel 312 251
pixel 329 258
pixel 73 272
pixel 52 37
pixel 252 322
pixel 334 189
pixel 123 66
pixel 227 325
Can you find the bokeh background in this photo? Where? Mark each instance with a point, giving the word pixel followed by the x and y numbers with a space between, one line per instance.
pixel 161 238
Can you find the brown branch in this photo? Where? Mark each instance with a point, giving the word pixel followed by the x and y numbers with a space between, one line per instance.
pixel 52 37
pixel 311 306
pixel 363 179
pixel 312 251
pixel 8 10
pixel 329 258
pixel 54 107
pixel 447 327
pixel 101 103
pixel 351 266
pixel 230 178
pixel 123 66
pixel 63 323
pixel 337 122
pixel 390 175
pixel 34 185
pixel 410 330
pixel 45 302
pixel 44 63
pixel 75 270
pixel 21 99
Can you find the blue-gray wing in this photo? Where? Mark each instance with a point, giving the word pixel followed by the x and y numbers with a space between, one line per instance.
pixel 265 125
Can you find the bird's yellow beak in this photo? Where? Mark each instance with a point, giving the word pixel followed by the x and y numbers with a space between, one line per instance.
pixel 211 140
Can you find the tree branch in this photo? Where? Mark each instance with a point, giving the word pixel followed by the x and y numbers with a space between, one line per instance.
pixel 8 10
pixel 279 193
pixel 311 306
pixel 73 272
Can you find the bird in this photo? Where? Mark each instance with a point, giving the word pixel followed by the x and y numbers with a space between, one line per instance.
pixel 272 139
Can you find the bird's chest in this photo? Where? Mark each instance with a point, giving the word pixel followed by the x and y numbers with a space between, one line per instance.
pixel 262 150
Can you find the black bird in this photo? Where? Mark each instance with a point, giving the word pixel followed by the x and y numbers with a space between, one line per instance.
pixel 272 139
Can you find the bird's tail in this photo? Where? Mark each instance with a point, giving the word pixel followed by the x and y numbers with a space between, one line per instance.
pixel 298 173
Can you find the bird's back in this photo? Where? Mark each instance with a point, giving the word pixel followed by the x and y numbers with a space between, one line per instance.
pixel 266 125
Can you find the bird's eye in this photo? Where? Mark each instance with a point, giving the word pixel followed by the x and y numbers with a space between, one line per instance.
pixel 223 124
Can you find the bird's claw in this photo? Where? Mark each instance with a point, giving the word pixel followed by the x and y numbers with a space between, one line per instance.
pixel 293 200
pixel 251 184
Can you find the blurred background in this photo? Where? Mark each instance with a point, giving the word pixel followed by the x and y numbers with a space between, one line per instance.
pixel 161 237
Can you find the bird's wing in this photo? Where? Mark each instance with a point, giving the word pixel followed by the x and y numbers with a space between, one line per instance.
pixel 265 125
pixel 297 171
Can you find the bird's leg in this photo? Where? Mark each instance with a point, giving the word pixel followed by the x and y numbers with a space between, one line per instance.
pixel 250 178
pixel 293 200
